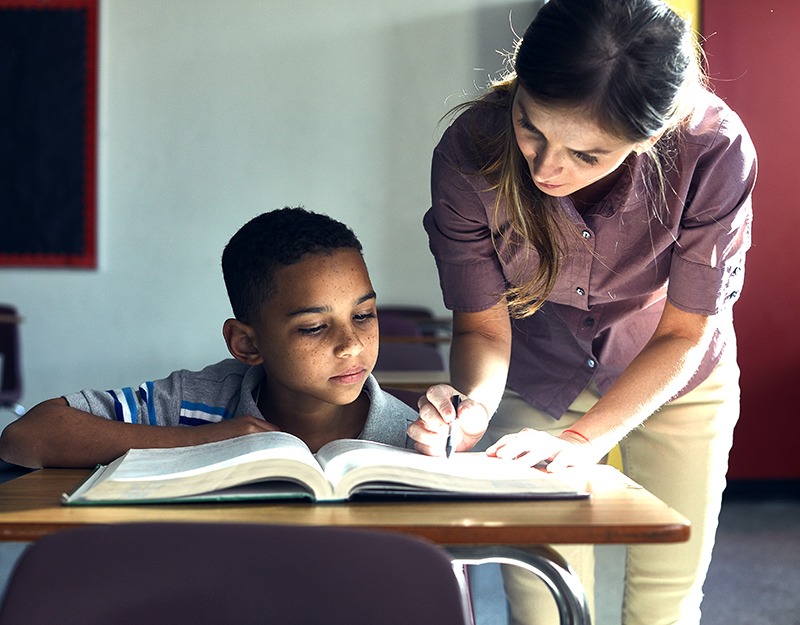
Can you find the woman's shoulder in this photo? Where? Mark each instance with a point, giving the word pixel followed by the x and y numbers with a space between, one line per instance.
pixel 713 121
pixel 474 125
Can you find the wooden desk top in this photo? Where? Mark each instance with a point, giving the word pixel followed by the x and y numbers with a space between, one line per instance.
pixel 619 511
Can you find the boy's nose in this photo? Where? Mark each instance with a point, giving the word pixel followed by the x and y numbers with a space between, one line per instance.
pixel 349 343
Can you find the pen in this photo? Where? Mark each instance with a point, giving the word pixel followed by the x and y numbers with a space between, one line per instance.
pixel 448 447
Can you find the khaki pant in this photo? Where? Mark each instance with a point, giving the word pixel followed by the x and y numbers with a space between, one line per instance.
pixel 680 454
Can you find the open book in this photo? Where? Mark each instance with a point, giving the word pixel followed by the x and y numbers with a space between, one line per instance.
pixel 277 465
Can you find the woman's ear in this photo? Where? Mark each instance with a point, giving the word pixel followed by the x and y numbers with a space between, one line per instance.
pixel 648 143
pixel 241 342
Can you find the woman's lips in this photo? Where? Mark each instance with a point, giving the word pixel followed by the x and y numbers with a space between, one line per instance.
pixel 545 185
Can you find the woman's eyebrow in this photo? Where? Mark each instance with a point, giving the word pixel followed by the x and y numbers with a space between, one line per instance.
pixel 532 126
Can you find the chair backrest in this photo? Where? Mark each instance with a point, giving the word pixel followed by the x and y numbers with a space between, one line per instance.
pixel 421 316
pixel 129 574
pixel 391 325
pixel 409 357
pixel 415 313
pixel 11 376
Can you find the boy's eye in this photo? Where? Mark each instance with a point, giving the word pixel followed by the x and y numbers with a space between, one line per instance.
pixel 311 331
pixel 364 316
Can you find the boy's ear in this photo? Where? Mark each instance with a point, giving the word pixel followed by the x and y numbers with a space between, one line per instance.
pixel 241 342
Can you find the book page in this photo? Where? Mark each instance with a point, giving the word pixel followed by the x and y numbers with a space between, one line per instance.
pixel 143 474
pixel 172 461
pixel 358 466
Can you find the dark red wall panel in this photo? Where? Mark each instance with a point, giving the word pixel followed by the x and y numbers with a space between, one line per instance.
pixel 753 50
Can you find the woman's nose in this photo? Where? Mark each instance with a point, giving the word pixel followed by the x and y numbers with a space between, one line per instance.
pixel 546 165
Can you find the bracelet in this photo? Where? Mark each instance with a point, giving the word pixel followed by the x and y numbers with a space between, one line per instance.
pixel 576 433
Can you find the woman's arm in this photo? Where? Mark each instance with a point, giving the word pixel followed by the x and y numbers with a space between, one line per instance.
pixel 658 373
pixel 479 357
pixel 52 434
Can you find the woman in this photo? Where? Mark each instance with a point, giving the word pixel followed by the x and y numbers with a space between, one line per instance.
pixel 589 221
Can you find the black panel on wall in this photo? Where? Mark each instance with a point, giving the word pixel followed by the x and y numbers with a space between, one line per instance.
pixel 47 132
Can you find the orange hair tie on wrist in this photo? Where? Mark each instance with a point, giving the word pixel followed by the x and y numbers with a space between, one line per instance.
pixel 576 433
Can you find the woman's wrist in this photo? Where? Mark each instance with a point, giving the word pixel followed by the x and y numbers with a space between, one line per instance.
pixel 574 434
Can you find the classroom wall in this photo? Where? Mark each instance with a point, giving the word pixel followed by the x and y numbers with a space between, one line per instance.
pixel 687 8
pixel 211 112
pixel 753 50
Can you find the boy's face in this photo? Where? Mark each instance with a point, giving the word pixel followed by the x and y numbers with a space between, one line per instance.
pixel 318 335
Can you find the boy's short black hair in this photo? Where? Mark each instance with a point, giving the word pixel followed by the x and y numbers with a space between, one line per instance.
pixel 271 241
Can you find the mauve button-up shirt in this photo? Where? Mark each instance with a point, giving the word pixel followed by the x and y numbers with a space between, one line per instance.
pixel 620 267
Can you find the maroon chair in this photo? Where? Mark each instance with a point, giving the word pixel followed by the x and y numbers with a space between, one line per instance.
pixel 11 377
pixel 409 357
pixel 402 345
pixel 422 317
pixel 218 573
pixel 395 326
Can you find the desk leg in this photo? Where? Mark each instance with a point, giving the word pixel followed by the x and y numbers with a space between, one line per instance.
pixel 460 571
pixel 547 564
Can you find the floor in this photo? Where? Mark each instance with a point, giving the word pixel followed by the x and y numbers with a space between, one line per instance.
pixel 754 577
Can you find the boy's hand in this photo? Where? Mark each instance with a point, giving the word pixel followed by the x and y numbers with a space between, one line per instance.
pixel 436 411
pixel 232 428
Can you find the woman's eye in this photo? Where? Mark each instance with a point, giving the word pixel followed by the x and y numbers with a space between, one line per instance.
pixel 526 125
pixel 586 158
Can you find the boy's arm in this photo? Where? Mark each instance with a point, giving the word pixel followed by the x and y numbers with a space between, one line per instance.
pixel 53 434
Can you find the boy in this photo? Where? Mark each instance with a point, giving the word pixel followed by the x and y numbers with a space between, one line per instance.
pixel 304 341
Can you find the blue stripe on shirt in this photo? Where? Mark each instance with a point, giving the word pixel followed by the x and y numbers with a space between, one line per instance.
pixel 133 406
pixel 193 413
pixel 147 395
pixel 117 406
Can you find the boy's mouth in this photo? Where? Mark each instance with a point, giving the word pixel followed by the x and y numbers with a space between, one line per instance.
pixel 351 375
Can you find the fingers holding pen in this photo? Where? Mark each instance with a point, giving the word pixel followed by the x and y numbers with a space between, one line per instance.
pixel 437 411
pixel 436 406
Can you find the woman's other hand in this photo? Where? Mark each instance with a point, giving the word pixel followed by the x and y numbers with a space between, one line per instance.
pixel 534 447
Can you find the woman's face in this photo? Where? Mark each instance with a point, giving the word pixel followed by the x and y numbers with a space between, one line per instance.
pixel 565 150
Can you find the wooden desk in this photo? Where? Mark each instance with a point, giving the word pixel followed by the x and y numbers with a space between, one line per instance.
pixel 619 511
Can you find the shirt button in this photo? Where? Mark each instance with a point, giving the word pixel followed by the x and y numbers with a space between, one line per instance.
pixel 580 291
pixel 589 322
pixel 591 363
pixel 586 234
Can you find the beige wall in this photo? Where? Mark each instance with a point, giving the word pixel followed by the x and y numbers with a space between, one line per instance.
pixel 211 112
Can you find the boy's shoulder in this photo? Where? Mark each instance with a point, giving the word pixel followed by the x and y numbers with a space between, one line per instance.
pixel 219 371
pixel 388 417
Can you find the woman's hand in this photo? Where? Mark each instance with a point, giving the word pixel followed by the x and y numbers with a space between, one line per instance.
pixel 436 412
pixel 534 447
